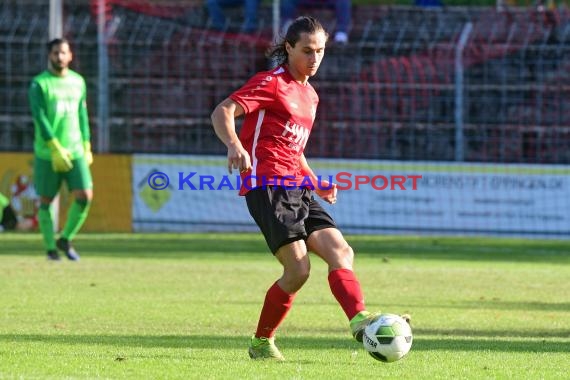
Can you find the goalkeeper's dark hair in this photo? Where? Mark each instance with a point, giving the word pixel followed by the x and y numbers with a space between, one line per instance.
pixel 304 24
pixel 57 42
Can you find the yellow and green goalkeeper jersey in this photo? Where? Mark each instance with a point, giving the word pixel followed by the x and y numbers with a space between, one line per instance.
pixel 4 201
pixel 59 111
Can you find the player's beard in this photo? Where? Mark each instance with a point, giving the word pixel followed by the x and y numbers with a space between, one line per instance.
pixel 58 67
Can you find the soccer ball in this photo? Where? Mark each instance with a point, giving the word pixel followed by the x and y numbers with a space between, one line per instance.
pixel 387 338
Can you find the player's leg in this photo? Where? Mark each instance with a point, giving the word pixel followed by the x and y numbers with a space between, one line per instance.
pixel 47 184
pixel 80 184
pixel 279 299
pixel 330 245
pixel 279 213
pixel 326 241
pixel 45 222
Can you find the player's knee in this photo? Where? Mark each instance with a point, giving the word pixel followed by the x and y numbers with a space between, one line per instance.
pixel 83 196
pixel 302 272
pixel 45 206
pixel 83 202
pixel 345 256
pixel 46 201
pixel 303 275
pixel 299 273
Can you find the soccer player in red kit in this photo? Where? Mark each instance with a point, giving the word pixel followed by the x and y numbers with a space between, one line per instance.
pixel 279 110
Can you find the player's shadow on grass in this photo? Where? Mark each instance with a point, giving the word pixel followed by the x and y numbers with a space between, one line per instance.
pixel 479 249
pixel 495 334
pixel 493 305
pixel 164 246
pixel 544 345
pixel 419 332
pixel 306 343
pixel 180 246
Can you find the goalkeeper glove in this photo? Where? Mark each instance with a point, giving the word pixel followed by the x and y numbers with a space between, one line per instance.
pixel 87 152
pixel 60 157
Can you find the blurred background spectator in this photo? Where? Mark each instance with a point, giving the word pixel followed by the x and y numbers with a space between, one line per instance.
pixel 428 3
pixel 290 10
pixel 8 219
pixel 218 17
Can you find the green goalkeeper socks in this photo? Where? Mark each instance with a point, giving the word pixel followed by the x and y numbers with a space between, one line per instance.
pixel 46 226
pixel 75 218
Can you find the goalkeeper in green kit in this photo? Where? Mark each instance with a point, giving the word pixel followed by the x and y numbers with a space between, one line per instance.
pixel 62 146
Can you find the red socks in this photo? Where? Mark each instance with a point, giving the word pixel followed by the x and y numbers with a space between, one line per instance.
pixel 275 308
pixel 346 289
pixel 344 286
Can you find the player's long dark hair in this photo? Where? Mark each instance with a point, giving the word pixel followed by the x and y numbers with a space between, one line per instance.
pixel 304 24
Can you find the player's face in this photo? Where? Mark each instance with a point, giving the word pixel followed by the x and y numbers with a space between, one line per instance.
pixel 304 59
pixel 59 57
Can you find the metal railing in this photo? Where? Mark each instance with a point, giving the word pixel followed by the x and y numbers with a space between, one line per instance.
pixel 391 93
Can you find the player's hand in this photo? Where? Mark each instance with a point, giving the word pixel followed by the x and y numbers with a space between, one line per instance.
pixel 88 154
pixel 327 191
pixel 238 158
pixel 60 157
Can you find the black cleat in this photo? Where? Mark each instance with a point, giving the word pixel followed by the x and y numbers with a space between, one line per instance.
pixel 52 255
pixel 67 248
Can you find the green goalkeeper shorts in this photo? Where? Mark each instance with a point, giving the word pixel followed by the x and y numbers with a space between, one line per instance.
pixel 47 182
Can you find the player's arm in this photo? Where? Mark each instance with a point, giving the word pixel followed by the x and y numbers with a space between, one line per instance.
pixel 38 108
pixel 223 121
pixel 84 119
pixel 60 157
pixel 327 191
pixel 84 127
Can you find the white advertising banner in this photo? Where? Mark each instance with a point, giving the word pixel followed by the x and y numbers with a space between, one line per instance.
pixel 187 193
pixel 374 197
pixel 515 200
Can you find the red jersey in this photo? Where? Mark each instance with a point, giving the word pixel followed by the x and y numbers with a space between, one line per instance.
pixel 279 116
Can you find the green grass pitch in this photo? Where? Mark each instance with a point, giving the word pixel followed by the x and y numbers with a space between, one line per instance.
pixel 183 306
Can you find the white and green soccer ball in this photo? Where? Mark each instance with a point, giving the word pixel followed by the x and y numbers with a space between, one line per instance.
pixel 388 338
